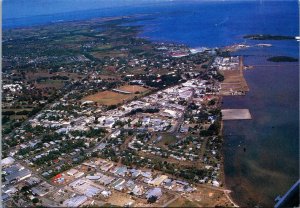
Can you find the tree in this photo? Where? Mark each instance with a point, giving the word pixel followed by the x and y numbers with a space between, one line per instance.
pixel 35 200
pixel 152 199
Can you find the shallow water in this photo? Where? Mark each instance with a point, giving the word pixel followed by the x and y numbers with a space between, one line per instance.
pixel 270 164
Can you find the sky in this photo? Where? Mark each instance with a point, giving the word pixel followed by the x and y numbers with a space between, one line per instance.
pixel 25 8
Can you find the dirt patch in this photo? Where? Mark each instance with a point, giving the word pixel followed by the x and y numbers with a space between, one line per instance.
pixel 119 199
pixel 109 98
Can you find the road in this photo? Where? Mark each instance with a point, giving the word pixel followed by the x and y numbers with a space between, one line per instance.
pixel 170 202
pixel 174 129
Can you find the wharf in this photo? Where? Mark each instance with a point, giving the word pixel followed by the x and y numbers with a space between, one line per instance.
pixel 236 114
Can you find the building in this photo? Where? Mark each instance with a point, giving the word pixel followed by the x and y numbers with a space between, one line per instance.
pixel 158 180
pixel 156 192
pixel 7 161
pixel 16 173
pixel 75 201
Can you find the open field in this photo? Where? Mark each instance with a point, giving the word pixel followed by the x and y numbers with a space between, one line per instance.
pixel 234 82
pixel 235 114
pixel 133 88
pixel 119 199
pixel 102 54
pixel 108 97
pixel 57 84
pixel 44 73
pixel 204 197
pixel 183 202
pixel 166 140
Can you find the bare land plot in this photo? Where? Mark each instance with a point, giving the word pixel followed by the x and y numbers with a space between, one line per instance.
pixel 109 98
pixel 234 82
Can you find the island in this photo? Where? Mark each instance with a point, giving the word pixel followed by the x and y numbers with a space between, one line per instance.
pixel 282 59
pixel 268 37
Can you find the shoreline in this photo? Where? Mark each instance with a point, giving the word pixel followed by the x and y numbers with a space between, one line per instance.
pixel 245 88
pixel 226 191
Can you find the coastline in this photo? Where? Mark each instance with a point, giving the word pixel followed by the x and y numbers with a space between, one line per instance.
pixel 243 88
pixel 227 192
pixel 243 184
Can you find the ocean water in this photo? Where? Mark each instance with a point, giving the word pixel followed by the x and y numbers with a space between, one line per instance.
pixel 270 164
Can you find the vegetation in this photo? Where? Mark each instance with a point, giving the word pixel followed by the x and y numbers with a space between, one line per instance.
pixel 282 59
pixel 268 37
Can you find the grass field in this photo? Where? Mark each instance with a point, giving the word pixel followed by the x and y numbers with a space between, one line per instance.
pixel 57 84
pixel 100 54
pixel 108 97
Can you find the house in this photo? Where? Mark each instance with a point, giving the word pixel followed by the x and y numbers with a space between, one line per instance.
pixel 138 190
pixel 215 183
pixel 42 189
pixel 106 193
pixel 75 201
pixel 7 161
pixel 106 167
pixel 118 184
pixel 156 192
pixel 106 180
pixel 9 190
pixel 147 175
pixel 17 173
pixel 145 121
pixel 121 171
pixel 115 134
pixel 72 172
pixel 93 177
pixel 135 173
pixel 158 180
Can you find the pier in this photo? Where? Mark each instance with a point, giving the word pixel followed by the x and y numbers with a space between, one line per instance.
pixel 236 114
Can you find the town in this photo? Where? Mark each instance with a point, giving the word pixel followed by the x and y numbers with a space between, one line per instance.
pixel 117 121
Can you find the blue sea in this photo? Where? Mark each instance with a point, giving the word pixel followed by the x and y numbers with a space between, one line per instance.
pixel 270 164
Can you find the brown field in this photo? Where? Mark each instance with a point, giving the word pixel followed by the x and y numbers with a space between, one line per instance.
pixel 234 81
pixel 119 199
pixel 205 197
pixel 109 97
pixel 133 88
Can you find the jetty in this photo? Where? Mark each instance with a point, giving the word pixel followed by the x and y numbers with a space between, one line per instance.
pixel 236 114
